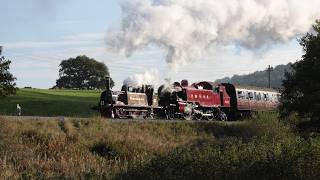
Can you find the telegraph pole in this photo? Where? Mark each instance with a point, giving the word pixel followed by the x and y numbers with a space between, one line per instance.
pixel 269 69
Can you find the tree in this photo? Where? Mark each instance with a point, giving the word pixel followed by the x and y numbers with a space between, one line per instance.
pixel 7 84
pixel 301 91
pixel 82 72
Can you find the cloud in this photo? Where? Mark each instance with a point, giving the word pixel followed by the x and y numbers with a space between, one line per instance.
pixel 186 29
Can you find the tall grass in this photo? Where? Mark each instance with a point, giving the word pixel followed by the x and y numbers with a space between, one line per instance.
pixel 83 148
pixel 258 148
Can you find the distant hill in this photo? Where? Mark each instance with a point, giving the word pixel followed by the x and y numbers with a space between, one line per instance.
pixel 259 78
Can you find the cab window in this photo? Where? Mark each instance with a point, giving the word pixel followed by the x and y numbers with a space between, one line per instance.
pixel 216 89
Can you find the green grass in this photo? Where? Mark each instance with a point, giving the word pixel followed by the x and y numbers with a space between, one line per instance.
pixel 39 102
pixel 259 148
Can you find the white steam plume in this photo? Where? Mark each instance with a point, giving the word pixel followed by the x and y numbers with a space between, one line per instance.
pixel 146 78
pixel 187 28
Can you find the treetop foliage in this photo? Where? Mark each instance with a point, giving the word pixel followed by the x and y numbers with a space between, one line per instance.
pixel 301 91
pixel 82 72
pixel 7 84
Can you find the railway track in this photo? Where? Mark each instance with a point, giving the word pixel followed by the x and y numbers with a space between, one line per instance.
pixel 62 118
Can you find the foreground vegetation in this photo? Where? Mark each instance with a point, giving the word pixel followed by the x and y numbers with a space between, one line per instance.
pixel 258 148
pixel 40 102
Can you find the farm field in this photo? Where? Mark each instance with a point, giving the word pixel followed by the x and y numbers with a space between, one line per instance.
pixel 258 148
pixel 40 102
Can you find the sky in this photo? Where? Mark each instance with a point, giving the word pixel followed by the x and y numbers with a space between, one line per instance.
pixel 37 35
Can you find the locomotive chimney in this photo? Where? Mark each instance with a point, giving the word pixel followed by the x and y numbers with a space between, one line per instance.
pixel 184 83
pixel 108 83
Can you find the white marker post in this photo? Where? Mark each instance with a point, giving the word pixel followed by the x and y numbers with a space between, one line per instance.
pixel 18 110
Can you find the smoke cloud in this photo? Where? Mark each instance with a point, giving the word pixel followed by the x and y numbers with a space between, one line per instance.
pixel 146 78
pixel 186 29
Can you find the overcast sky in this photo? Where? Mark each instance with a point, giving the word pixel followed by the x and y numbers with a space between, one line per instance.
pixel 38 34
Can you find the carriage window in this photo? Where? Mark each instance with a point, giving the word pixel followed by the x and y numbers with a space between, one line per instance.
pixel 247 95
pixel 258 97
pixel 241 95
pixel 265 97
pixel 255 96
pixel 250 95
pixel 273 98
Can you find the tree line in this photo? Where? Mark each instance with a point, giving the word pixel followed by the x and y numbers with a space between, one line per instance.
pixel 260 78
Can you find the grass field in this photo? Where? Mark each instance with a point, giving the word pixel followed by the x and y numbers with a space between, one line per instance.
pixel 38 102
pixel 259 148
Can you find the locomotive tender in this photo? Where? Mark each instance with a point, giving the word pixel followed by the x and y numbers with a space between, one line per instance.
pixel 199 101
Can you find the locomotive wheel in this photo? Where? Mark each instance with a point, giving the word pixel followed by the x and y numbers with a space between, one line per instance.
pixel 120 113
pixel 188 112
pixel 188 116
pixel 198 116
pixel 210 118
pixel 134 115
pixel 169 113
pixel 213 116
pixel 149 115
pixel 223 116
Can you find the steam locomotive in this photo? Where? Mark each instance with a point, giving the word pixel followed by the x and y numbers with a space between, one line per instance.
pixel 198 101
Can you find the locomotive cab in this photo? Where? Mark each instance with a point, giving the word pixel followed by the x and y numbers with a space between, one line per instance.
pixel 137 95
